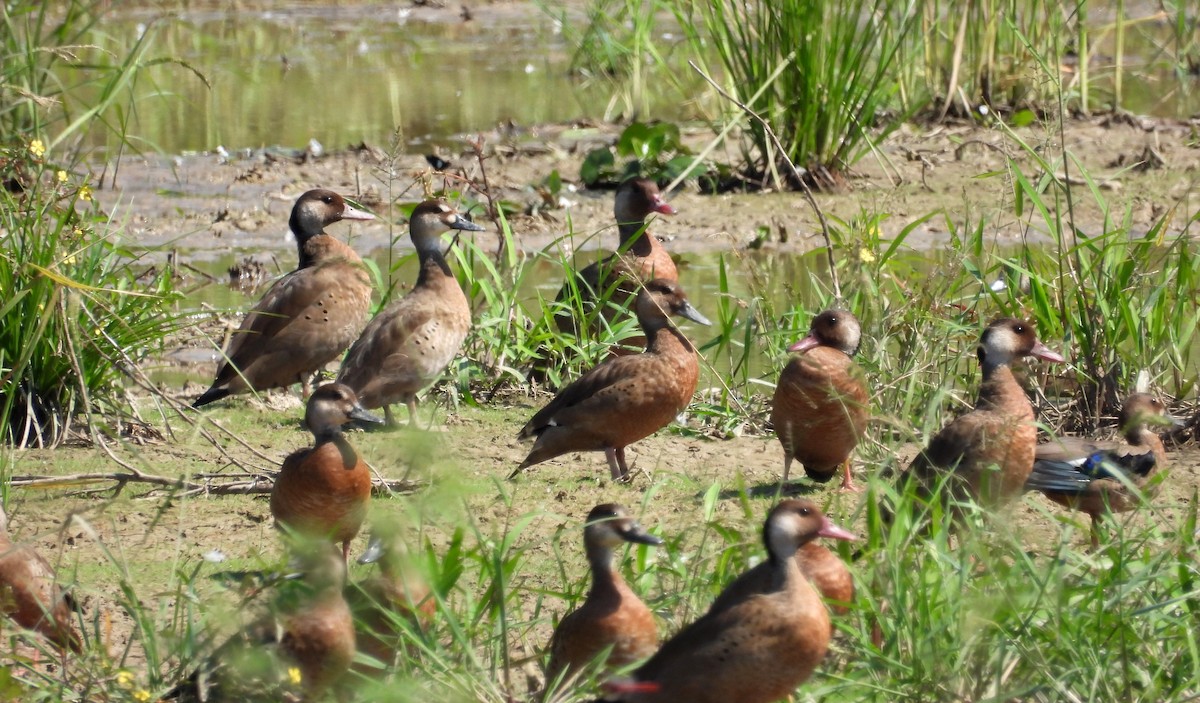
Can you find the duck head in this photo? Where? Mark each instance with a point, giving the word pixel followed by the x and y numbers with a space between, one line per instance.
pixel 1141 411
pixel 793 523
pixel 318 209
pixel 1008 338
pixel 433 217
pixel 334 405
pixel 637 199
pixel 832 328
pixel 659 300
pixel 610 524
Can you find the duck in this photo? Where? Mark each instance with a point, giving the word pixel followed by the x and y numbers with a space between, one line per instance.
pixel 612 621
pixel 324 491
pixel 989 451
pixel 639 257
pixel 625 398
pixel 308 317
pixel 298 651
pixel 1101 478
pixel 383 602
pixel 763 645
pixel 820 408
pixel 30 596
pixel 410 342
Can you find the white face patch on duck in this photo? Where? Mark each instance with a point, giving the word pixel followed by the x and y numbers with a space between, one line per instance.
pixel 784 529
pixel 999 345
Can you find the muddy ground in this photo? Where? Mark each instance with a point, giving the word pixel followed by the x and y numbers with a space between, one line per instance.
pixel 203 208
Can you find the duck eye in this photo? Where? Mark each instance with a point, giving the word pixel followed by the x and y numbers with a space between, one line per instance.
pixel 805 511
pixel 328 200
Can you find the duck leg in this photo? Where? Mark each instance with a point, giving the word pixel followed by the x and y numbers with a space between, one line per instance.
pixel 389 420
pixel 1095 531
pixel 616 464
pixel 787 466
pixel 411 402
pixel 346 552
pixel 847 479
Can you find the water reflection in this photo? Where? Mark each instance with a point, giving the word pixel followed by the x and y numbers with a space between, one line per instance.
pixel 346 77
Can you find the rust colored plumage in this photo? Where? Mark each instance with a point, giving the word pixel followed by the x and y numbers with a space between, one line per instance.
pixel 309 632
pixel 988 452
pixel 29 594
pixel 640 257
pixel 1081 474
pixel 760 647
pixel 612 619
pixel 626 398
pixel 820 409
pixel 309 316
pixel 383 602
pixel 410 342
pixel 323 491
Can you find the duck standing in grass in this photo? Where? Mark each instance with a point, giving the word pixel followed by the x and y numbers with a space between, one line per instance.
pixel 612 619
pixel 820 409
pixel 759 647
pixel 987 454
pixel 639 257
pixel 383 603
pixel 296 652
pixel 1100 478
pixel 323 491
pixel 309 316
pixel 625 398
pixel 411 341
pixel 29 594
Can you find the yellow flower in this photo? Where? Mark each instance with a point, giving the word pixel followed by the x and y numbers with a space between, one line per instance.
pixel 124 679
pixel 85 193
pixel 866 255
pixel 294 675
pixel 142 696
pixel 62 176
pixel 37 148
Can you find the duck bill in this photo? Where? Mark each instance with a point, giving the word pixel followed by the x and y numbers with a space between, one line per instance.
pixel 832 531
pixel 663 207
pixel 804 344
pixel 352 213
pixel 639 536
pixel 460 222
pixel 374 551
pixel 686 310
pixel 1042 352
pixel 360 413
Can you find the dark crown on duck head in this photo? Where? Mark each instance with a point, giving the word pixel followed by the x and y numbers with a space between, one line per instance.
pixel 1140 410
pixel 609 524
pixel 319 208
pixel 795 522
pixel 333 405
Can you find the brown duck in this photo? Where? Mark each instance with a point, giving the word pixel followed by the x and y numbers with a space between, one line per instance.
pixel 820 409
pixel 384 602
pixel 625 398
pixel 309 316
pixel 640 257
pixel 759 648
pixel 988 452
pixel 1099 478
pixel 410 342
pixel 296 652
pixel 612 619
pixel 823 569
pixel 29 595
pixel 323 492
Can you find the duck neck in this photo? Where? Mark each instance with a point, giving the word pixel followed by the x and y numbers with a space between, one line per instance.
pixel 604 578
pixel 334 435
pixel 999 387
pixel 323 247
pixel 1140 436
pixel 784 569
pixel 635 238
pixel 433 265
pixel 662 337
